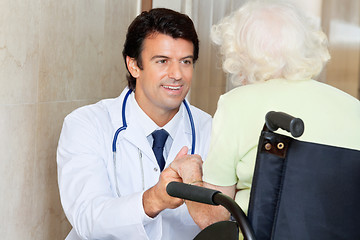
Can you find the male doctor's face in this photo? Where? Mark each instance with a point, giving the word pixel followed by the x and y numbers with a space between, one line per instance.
pixel 166 76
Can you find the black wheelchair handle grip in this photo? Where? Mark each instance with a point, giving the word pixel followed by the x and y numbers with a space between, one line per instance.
pixel 191 192
pixel 212 197
pixel 275 120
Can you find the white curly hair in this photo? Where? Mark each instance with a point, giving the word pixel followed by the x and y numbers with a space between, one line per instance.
pixel 263 40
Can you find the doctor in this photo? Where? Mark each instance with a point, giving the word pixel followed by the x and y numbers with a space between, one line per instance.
pixel 111 184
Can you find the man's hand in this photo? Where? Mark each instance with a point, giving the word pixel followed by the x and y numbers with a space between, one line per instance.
pixel 156 198
pixel 188 167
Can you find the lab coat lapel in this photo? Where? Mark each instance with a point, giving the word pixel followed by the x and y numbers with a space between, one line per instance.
pixel 134 135
pixel 183 138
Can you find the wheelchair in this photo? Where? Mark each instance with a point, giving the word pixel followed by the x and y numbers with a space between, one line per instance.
pixel 300 190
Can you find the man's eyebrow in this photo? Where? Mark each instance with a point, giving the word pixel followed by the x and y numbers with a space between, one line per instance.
pixel 159 56
pixel 166 57
pixel 190 56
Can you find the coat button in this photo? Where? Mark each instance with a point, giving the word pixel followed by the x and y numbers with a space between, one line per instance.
pixel 155 169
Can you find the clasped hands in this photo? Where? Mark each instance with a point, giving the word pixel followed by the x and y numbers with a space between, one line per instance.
pixel 185 168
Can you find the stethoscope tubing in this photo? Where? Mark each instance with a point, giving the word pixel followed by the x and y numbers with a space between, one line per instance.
pixel 124 126
pixel 193 136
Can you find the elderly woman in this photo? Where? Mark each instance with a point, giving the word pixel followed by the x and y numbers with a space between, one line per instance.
pixel 273 52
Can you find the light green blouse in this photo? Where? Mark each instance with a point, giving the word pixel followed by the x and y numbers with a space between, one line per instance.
pixel 331 117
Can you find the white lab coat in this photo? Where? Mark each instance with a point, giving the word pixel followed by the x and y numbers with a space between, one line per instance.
pixel 87 181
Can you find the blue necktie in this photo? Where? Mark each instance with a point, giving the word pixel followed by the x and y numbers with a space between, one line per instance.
pixel 160 137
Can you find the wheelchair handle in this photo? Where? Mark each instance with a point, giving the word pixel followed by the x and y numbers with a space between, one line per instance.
pixel 212 197
pixel 275 120
pixel 191 192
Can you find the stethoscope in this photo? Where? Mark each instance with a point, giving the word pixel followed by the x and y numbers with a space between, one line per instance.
pixel 124 126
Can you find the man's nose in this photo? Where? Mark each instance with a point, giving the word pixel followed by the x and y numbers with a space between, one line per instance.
pixel 175 71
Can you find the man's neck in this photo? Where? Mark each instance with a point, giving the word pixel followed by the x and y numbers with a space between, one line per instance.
pixel 160 116
pixel 161 119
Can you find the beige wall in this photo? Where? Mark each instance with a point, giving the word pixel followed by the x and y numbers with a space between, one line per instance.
pixel 54 57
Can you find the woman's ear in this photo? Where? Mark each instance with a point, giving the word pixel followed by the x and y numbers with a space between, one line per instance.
pixel 132 66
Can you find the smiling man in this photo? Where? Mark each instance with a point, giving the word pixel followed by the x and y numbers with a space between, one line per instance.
pixel 114 156
pixel 165 77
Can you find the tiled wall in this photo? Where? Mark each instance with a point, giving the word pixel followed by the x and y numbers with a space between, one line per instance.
pixel 54 57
